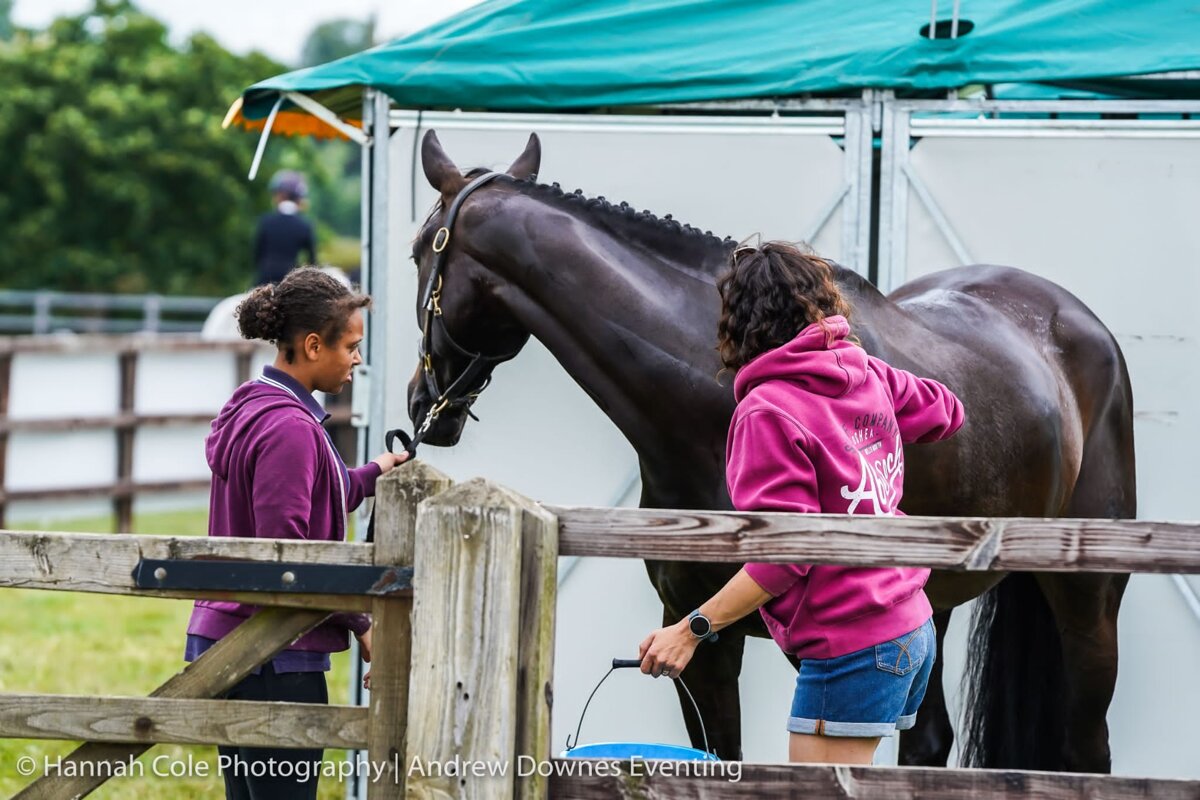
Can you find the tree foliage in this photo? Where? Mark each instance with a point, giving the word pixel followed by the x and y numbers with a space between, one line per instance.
pixel 338 190
pixel 115 174
pixel 336 38
pixel 5 19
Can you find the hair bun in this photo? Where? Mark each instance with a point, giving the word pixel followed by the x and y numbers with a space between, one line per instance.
pixel 259 317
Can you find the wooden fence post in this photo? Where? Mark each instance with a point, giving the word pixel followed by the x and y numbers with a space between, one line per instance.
pixel 6 360
pixel 535 660
pixel 396 498
pixel 123 498
pixel 464 712
pixel 241 368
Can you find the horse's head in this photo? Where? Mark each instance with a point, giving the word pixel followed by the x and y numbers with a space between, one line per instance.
pixel 466 329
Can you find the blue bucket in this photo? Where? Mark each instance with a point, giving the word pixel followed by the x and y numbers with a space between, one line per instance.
pixel 623 751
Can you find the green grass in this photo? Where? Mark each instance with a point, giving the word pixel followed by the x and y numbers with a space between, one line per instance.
pixel 93 644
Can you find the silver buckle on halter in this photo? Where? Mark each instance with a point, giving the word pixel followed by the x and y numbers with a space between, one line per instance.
pixel 432 416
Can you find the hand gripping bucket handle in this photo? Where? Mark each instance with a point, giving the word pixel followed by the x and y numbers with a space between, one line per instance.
pixel 633 663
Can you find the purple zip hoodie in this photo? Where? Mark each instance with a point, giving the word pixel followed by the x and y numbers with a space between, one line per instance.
pixel 276 475
pixel 819 428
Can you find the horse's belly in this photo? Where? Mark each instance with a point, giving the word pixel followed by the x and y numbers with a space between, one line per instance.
pixel 947 590
pixel 1010 466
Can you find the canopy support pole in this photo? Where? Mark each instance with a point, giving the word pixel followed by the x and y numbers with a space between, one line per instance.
pixel 262 140
pixel 375 192
pixel 378 274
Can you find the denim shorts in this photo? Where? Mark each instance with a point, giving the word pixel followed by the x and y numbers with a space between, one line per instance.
pixel 869 693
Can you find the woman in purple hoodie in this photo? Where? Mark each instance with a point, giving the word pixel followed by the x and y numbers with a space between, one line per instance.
pixel 819 427
pixel 276 475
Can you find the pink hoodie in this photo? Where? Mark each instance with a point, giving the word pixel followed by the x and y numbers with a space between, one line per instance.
pixel 819 428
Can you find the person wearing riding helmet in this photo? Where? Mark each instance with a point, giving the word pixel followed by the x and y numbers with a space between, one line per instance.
pixel 277 475
pixel 284 233
pixel 819 427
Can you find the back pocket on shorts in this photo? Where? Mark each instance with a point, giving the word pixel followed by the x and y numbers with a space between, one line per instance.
pixel 902 655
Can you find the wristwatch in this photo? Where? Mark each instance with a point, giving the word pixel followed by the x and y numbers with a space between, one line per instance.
pixel 701 627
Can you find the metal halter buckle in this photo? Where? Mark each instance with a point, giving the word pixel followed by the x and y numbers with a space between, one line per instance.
pixel 441 239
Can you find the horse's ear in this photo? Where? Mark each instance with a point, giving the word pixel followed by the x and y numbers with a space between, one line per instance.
pixel 440 171
pixel 528 163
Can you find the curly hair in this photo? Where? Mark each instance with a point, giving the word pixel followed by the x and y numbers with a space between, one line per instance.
pixel 769 295
pixel 305 301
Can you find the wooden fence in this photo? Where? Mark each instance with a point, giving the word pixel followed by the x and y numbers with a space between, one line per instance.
pixel 462 673
pixel 42 311
pixel 118 729
pixel 127 420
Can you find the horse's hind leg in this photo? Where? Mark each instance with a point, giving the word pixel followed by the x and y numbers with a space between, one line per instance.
pixel 928 743
pixel 1085 613
pixel 712 677
pixel 1085 605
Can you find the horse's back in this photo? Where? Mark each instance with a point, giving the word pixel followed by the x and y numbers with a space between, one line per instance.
pixel 1039 374
pixel 1044 312
pixel 1096 393
pixel 1009 306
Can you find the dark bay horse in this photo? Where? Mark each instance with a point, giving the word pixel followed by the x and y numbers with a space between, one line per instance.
pixel 627 304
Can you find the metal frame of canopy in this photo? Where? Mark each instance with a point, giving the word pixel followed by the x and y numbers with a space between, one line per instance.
pixel 904 121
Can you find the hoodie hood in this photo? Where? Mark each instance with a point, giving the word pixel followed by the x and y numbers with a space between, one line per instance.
pixel 245 409
pixel 819 360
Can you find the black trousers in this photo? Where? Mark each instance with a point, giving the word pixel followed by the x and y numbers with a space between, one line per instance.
pixel 248 771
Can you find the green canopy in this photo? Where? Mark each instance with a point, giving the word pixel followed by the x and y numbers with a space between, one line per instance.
pixel 554 55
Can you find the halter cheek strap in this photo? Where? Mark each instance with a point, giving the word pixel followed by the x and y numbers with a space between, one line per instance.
pixel 462 391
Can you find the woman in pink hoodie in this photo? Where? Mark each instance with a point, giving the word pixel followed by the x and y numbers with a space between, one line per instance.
pixel 819 427
pixel 276 475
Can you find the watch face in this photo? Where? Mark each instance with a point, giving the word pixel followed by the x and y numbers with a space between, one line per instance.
pixel 700 626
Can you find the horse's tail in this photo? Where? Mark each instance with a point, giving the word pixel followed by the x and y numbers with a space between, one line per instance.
pixel 1015 680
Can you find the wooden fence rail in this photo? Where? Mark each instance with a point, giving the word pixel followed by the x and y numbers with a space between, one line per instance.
pixel 240 723
pixel 954 543
pixel 33 312
pixel 754 781
pixel 104 563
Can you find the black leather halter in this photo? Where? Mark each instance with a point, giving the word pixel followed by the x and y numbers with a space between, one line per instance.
pixel 462 391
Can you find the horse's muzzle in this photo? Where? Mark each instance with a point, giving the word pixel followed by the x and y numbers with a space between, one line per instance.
pixel 447 429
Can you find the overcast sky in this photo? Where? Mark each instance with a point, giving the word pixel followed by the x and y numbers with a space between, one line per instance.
pixel 277 27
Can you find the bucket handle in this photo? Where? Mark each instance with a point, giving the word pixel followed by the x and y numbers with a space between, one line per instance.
pixel 628 663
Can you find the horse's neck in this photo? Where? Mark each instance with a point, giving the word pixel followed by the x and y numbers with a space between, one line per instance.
pixel 633 321
pixel 869 309
pixel 632 316
pixel 885 329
